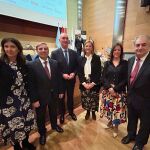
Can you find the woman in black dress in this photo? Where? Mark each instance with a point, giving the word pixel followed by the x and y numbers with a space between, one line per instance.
pixel 114 83
pixel 89 75
pixel 16 114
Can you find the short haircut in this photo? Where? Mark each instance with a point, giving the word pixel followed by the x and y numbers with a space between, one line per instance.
pixel 40 44
pixel 145 36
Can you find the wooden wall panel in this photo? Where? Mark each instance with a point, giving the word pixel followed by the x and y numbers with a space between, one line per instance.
pixel 15 25
pixel 98 17
pixel 137 23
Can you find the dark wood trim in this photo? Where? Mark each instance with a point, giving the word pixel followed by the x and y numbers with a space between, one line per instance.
pixel 15 25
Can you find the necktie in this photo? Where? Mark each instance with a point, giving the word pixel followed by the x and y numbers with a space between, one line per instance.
pixel 135 71
pixel 66 57
pixel 46 70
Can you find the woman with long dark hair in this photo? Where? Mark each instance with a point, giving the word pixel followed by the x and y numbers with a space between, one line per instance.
pixel 114 79
pixel 16 114
pixel 89 75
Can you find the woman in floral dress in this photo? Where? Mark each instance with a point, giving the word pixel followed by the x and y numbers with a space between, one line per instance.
pixel 16 115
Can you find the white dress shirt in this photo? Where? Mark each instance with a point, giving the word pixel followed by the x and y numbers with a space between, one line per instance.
pixel 141 62
pixel 87 66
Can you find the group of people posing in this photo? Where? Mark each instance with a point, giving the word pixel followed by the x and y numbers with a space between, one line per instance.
pixel 44 83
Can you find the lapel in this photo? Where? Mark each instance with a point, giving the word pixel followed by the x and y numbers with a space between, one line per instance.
pixel 92 63
pixel 41 68
pixel 131 62
pixel 51 68
pixel 144 66
pixel 83 61
pixel 70 56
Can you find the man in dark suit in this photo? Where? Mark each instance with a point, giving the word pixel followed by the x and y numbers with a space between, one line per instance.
pixel 45 90
pixel 67 60
pixel 138 99
pixel 79 43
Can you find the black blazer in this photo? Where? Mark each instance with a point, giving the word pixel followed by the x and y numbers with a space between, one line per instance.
pixel 43 88
pixel 63 66
pixel 115 75
pixel 95 72
pixel 139 93
pixel 79 43
pixel 7 79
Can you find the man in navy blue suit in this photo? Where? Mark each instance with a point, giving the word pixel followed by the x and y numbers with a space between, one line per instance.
pixel 138 100
pixel 46 89
pixel 67 61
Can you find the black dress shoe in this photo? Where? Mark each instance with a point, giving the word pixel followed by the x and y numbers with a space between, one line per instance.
pixel 73 116
pixel 127 140
pixel 27 146
pixel 42 139
pixel 17 146
pixel 62 119
pixel 58 129
pixel 137 147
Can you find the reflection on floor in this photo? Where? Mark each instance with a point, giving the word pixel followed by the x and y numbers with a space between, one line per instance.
pixel 83 135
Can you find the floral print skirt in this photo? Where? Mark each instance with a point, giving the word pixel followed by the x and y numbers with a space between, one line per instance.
pixel 114 108
pixel 17 118
pixel 90 100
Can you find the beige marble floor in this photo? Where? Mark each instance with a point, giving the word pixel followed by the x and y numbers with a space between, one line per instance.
pixel 83 135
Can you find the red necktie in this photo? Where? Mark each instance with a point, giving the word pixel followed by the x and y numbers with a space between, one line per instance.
pixel 135 71
pixel 46 70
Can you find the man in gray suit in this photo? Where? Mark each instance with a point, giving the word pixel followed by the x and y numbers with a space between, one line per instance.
pixel 46 89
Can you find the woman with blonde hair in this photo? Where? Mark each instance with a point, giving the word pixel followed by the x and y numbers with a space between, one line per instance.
pixel 89 75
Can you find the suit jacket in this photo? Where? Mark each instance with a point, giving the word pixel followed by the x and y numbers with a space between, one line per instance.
pixel 139 93
pixel 63 66
pixel 95 72
pixel 43 88
pixel 8 77
pixel 78 44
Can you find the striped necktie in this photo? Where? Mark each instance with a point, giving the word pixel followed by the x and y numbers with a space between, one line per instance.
pixel 135 71
pixel 46 70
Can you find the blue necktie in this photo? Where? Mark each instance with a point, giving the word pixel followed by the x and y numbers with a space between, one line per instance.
pixel 66 56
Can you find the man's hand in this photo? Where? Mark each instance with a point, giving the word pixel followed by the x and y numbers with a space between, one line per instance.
pixel 61 96
pixel 72 75
pixel 36 104
pixel 66 76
